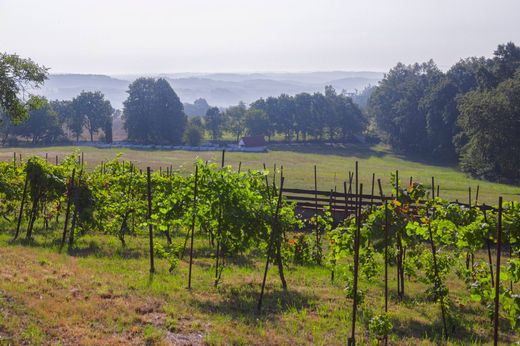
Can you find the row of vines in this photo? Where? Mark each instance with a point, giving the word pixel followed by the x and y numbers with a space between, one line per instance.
pixel 416 234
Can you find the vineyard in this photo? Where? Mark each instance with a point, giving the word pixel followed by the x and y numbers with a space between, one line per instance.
pixel 369 242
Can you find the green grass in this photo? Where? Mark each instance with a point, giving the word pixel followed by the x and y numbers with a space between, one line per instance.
pixel 333 165
pixel 103 294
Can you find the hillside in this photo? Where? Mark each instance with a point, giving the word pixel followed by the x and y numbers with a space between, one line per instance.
pixel 219 89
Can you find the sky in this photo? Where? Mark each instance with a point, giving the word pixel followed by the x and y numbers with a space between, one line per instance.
pixel 168 36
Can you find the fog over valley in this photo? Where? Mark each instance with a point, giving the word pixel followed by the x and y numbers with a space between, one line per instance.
pixel 218 89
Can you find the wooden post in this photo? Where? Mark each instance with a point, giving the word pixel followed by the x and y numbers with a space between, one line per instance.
pixel 352 340
pixel 372 191
pixel 150 228
pixel 57 162
pixel 193 222
pixel 21 207
pixel 67 210
pixel 469 196
pixel 316 230
pixel 476 195
pixel 437 279
pixel 497 277
pixel 46 157
pixel 386 261
pixel 380 189
pixel 223 158
pixel 438 190
pixel 239 166
pixel 14 158
pixel 274 227
pixel 490 260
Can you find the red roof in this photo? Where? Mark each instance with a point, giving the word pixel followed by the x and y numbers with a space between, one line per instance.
pixel 254 141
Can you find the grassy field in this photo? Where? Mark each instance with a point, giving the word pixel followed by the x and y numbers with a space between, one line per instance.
pixel 101 294
pixel 333 165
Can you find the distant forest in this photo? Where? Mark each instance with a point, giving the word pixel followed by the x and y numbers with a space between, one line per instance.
pixel 468 115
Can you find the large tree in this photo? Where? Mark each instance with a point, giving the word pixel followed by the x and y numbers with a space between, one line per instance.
pixel 395 106
pixel 214 121
pixel 17 77
pixel 41 125
pixel 257 122
pixel 490 120
pixel 153 113
pixel 92 110
pixel 235 116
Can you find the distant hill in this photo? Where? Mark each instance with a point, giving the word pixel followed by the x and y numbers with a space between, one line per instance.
pixel 219 89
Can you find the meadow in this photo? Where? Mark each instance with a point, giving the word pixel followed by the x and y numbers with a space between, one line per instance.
pixel 333 165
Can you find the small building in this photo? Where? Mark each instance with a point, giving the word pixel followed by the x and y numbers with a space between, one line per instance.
pixel 253 143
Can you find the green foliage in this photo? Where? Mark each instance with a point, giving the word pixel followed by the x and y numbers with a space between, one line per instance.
pixel 92 110
pixel 16 75
pixel 193 135
pixel 380 326
pixel 153 112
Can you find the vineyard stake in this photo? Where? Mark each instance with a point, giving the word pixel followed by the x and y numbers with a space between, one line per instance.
pixel 274 226
pixel 438 190
pixel 497 277
pixel 352 340
pixel 380 188
pixel 223 158
pixel 372 193
pixel 150 228
pixel 21 207
pixel 488 243
pixel 437 279
pixel 433 188
pixel 476 195
pixel 67 210
pixel 469 196
pixel 316 230
pixel 239 166
pixel 14 158
pixel 56 160
pixel 398 240
pixel 386 263
pixel 75 215
pixel 193 223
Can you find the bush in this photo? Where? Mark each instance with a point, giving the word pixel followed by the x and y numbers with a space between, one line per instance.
pixel 193 135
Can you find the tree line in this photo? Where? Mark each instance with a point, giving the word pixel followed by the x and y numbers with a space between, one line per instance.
pixel 468 115
pixel 329 116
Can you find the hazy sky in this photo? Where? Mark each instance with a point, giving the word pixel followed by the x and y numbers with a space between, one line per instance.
pixel 161 36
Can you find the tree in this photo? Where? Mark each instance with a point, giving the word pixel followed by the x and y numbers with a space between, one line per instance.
pixel 350 118
pixel 236 119
pixel 193 135
pixel 395 106
pixel 41 125
pixel 153 113
pixel 214 122
pixel 303 109
pixel 17 77
pixel 91 109
pixel 490 120
pixel 199 107
pixel 257 122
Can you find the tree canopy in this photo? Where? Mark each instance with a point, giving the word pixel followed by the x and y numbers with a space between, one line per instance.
pixel 153 113
pixel 17 77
